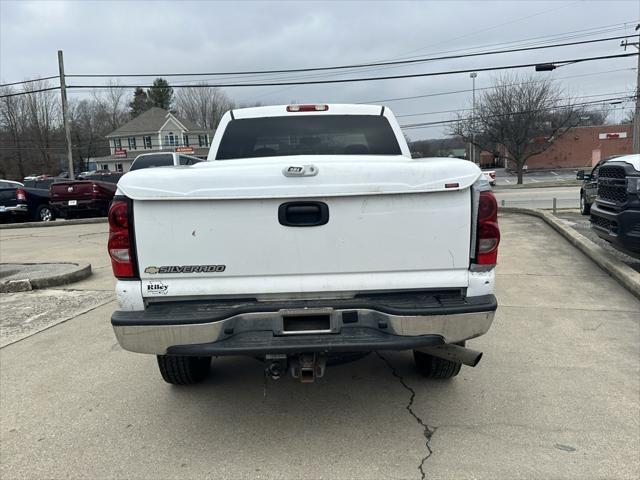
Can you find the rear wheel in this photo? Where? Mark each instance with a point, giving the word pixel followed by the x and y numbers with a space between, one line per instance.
pixel 181 370
pixel 435 367
pixel 585 207
pixel 44 214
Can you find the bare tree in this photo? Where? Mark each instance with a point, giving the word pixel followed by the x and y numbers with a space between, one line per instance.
pixel 204 106
pixel 90 122
pixel 112 104
pixel 522 115
pixel 42 113
pixel 13 126
pixel 628 118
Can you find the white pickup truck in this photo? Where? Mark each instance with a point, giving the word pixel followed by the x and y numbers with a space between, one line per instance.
pixel 310 233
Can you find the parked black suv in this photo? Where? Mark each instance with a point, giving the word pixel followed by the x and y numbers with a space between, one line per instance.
pixel 615 216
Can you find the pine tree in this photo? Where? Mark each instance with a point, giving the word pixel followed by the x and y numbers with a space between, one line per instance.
pixel 140 103
pixel 161 94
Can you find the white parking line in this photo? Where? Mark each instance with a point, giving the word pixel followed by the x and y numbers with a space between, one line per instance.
pixel 555 173
pixel 507 180
pixel 534 180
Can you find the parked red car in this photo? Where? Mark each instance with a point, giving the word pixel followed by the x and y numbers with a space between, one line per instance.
pixel 88 197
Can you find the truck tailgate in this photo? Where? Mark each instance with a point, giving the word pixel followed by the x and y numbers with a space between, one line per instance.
pixel 239 247
pixel 238 227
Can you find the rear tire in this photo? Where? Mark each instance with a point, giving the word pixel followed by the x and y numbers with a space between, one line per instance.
pixel 435 367
pixel 44 213
pixel 585 207
pixel 181 370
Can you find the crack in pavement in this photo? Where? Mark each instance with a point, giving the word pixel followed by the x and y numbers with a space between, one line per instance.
pixel 427 430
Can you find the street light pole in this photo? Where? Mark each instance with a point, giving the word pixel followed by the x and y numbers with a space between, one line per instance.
pixel 636 116
pixel 472 149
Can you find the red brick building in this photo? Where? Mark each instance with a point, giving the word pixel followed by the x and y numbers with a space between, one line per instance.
pixel 579 147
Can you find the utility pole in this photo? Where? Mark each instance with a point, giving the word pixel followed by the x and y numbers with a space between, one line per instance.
pixel 65 114
pixel 636 116
pixel 472 149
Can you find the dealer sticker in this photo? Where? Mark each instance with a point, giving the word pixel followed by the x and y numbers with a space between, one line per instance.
pixel 157 288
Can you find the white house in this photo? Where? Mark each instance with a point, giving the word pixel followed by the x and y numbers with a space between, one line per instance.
pixel 153 131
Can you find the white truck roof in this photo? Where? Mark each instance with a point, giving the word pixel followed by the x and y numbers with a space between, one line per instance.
pixel 630 159
pixel 331 109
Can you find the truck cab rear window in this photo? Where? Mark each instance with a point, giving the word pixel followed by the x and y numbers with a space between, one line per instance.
pixel 150 161
pixel 308 135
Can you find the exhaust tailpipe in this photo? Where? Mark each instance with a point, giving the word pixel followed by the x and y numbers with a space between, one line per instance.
pixel 454 353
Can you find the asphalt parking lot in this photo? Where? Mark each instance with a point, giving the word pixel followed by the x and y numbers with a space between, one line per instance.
pixel 504 177
pixel 557 394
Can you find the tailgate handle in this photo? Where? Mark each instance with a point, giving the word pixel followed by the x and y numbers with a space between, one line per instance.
pixel 303 214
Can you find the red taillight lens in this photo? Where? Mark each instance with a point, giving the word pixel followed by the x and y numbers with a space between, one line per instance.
pixel 307 108
pixel 119 245
pixel 487 208
pixel 488 232
pixel 21 196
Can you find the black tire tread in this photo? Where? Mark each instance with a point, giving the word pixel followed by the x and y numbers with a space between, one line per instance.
pixel 587 206
pixel 181 370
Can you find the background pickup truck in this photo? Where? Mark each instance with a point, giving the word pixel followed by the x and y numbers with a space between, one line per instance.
pixel 18 202
pixel 309 233
pixel 615 216
pixel 91 196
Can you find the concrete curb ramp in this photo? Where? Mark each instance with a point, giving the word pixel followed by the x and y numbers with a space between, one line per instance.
pixel 624 274
pixel 52 275
pixel 55 223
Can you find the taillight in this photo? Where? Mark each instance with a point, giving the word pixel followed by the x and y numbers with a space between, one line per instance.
pixel 307 108
pixel 488 232
pixel 119 245
pixel 21 196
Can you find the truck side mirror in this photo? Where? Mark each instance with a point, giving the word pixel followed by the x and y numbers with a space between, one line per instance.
pixel 580 175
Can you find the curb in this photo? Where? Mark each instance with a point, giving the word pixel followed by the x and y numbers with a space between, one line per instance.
pixel 55 223
pixel 82 271
pixel 627 276
pixel 557 183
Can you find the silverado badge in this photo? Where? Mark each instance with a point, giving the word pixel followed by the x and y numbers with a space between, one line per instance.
pixel 186 269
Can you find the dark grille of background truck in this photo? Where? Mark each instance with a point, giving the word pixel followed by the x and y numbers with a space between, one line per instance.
pixel 612 184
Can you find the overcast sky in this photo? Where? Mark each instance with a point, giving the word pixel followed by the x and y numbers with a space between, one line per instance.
pixel 117 37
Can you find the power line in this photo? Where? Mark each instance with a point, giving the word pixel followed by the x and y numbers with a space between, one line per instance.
pixel 455 120
pixel 490 88
pixel 516 20
pixel 557 37
pixel 470 109
pixel 29 92
pixel 366 79
pixel 362 65
pixel 587 32
pixel 28 81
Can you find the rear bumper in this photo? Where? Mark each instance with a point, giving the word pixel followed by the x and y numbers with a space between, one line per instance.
pixel 16 212
pixel 20 209
pixel 63 207
pixel 620 228
pixel 253 328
